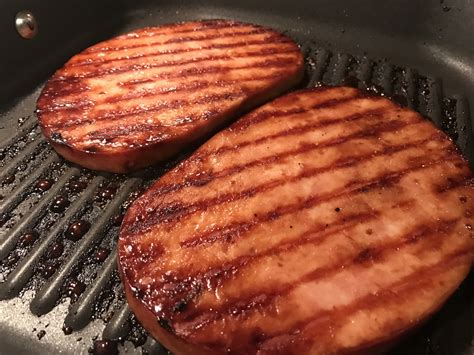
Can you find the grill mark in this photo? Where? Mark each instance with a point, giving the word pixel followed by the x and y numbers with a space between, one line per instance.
pixel 111 134
pixel 275 63
pixel 279 62
pixel 60 78
pixel 53 89
pixel 114 115
pixel 241 306
pixel 315 236
pixel 187 39
pixel 140 81
pixel 96 62
pixel 204 180
pixel 408 284
pixel 263 116
pixel 136 65
pixel 170 105
pixel 302 239
pixel 170 31
pixel 162 91
pixel 307 147
pixel 373 184
pixel 199 155
pixel 343 163
pixel 201 49
pixel 303 129
pixel 157 132
pixel 145 222
pixel 459 181
pixel 202 38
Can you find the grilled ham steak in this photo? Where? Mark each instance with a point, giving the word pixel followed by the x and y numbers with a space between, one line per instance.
pixel 326 221
pixel 139 98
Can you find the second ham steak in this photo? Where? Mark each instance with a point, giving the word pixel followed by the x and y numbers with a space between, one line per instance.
pixel 324 222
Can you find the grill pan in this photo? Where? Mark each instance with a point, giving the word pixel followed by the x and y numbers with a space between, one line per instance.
pixel 60 293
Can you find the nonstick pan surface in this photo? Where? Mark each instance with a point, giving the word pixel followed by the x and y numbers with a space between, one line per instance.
pixel 59 295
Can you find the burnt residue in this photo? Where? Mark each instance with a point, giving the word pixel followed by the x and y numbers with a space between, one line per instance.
pixel 165 324
pixel 59 204
pixel 367 255
pixel 43 185
pixel 41 334
pixel 117 220
pixel 28 239
pixel 57 138
pixel 4 217
pixel 376 90
pixel 351 81
pixel 77 186
pixel 101 255
pixel 56 250
pixel 449 118
pixel 74 288
pixel 8 179
pixel 137 335
pixel 67 330
pixel 11 259
pixel 105 347
pixel 106 193
pixel 47 269
pixel 77 229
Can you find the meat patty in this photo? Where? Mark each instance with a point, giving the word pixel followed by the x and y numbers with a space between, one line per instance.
pixel 139 98
pixel 326 221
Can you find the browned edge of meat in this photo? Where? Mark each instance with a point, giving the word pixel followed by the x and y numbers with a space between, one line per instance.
pixel 279 76
pixel 178 345
pixel 152 324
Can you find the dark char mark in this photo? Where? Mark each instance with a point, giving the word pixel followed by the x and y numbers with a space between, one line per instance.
pixel 343 163
pixel 162 91
pixel 259 118
pixel 216 36
pixel 186 39
pixel 217 275
pixel 96 62
pixel 135 65
pixel 163 106
pixel 54 89
pixel 463 179
pixel 265 115
pixel 160 132
pixel 406 286
pixel 200 155
pixel 147 221
pixel 115 115
pixel 204 25
pixel 61 78
pixel 270 63
pixel 242 305
pixel 191 286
